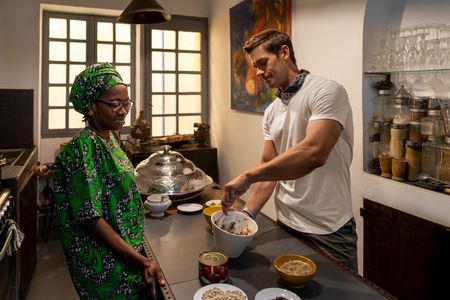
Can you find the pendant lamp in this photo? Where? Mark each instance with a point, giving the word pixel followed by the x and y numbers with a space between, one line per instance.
pixel 144 12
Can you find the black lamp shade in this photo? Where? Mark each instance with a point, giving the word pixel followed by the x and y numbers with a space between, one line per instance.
pixel 144 12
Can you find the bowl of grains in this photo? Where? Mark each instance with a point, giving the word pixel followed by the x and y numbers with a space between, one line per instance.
pixel 220 291
pixel 294 269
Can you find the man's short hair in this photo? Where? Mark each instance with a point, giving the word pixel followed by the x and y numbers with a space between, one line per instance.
pixel 271 40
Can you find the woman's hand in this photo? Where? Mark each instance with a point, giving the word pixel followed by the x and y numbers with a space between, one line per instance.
pixel 152 277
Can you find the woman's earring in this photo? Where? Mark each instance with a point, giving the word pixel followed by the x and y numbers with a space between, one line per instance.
pixel 91 113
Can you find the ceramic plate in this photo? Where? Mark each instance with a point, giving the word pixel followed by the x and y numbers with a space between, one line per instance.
pixel 213 202
pixel 223 286
pixel 190 208
pixel 272 293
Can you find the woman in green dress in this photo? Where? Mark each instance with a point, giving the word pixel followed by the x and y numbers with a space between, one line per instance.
pixel 99 209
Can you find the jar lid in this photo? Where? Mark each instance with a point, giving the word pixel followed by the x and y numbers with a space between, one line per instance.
pixel 386 124
pixel 399 126
pixel 376 124
pixel 413 143
pixel 384 92
pixel 447 139
pixel 412 123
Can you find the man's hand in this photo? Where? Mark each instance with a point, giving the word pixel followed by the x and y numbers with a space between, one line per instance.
pixel 152 276
pixel 233 190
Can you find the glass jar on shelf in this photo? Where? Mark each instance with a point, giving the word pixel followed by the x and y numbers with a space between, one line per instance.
pixel 385 137
pixel 401 115
pixel 432 126
pixel 374 148
pixel 444 160
pixel 416 114
pixel 414 133
pixel 433 103
pixel 430 154
pixel 399 134
pixel 413 157
pixel 382 106
pixel 419 102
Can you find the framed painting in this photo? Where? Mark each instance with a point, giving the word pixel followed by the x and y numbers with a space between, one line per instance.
pixel 249 92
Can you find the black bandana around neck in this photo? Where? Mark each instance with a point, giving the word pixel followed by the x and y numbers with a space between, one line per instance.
pixel 286 94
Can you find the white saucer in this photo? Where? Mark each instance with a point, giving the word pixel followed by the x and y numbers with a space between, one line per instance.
pixel 222 286
pixel 272 293
pixel 213 202
pixel 190 208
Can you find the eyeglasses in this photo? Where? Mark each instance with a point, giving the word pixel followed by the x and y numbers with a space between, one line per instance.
pixel 117 105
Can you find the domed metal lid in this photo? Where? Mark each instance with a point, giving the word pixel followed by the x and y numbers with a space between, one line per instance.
pixel 168 172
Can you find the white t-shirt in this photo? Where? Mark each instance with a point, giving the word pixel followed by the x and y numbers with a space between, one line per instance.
pixel 319 202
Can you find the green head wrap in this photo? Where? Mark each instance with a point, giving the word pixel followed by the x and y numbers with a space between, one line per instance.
pixel 90 84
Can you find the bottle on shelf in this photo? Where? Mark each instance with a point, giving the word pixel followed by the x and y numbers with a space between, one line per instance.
pixel 382 106
pixel 413 157
pixel 430 154
pixel 432 126
pixel 399 134
pixel 444 160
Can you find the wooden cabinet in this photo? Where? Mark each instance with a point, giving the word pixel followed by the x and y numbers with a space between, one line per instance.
pixel 405 255
pixel 204 158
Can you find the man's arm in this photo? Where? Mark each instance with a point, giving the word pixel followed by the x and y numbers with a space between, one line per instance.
pixel 298 161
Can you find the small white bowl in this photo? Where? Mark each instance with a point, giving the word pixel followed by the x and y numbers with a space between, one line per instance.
pixel 157 204
pixel 232 244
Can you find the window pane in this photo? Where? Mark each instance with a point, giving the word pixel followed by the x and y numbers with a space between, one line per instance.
pixel 123 33
pixel 190 104
pixel 125 73
pixel 189 40
pixel 56 73
pixel 57 96
pixel 104 53
pixel 123 53
pixel 58 28
pixel 75 119
pixel 163 39
pixel 164 104
pixel 77 29
pixel 163 126
pixel 74 70
pixel 190 83
pixel 104 31
pixel 56 118
pixel 57 51
pixel 78 52
pixel 163 83
pixel 189 62
pixel 186 124
pixel 163 61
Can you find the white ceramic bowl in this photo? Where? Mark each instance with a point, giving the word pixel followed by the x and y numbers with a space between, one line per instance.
pixel 156 206
pixel 232 244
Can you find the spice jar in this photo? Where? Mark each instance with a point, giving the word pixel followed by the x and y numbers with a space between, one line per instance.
pixel 430 154
pixel 413 156
pixel 419 103
pixel 382 106
pixel 399 134
pixel 433 103
pixel 385 137
pixel 432 126
pixel 374 164
pixel 416 114
pixel 444 160
pixel 414 133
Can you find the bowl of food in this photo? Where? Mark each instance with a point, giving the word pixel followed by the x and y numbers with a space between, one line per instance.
pixel 294 269
pixel 232 232
pixel 208 211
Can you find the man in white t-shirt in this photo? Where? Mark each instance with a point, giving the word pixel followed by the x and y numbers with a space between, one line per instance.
pixel 308 133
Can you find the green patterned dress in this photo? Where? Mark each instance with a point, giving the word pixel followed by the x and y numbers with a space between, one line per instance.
pixel 94 178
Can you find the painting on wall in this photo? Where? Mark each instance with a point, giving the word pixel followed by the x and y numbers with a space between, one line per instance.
pixel 249 92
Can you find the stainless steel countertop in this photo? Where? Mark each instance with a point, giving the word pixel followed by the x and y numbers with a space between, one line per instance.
pixel 176 240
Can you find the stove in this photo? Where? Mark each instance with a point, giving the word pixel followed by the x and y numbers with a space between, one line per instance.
pixel 19 202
